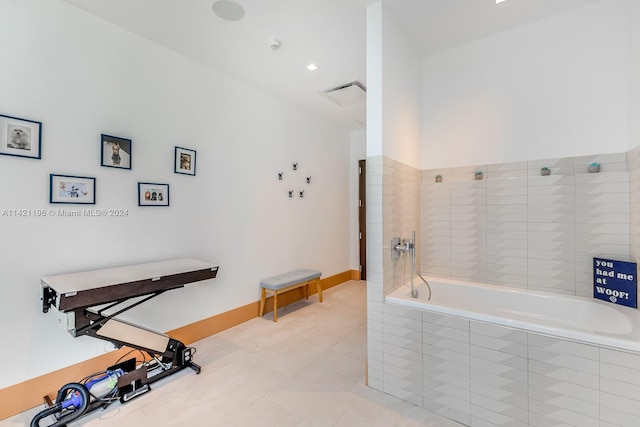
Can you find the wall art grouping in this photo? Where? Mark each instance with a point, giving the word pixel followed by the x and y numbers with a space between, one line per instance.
pixel 23 138
pixel 294 167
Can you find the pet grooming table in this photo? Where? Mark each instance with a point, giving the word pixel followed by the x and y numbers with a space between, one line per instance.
pixel 92 299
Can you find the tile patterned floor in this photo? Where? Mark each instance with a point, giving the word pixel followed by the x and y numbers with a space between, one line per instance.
pixel 305 370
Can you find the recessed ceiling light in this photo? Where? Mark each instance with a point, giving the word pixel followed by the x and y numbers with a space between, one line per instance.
pixel 499 1
pixel 312 67
pixel 229 10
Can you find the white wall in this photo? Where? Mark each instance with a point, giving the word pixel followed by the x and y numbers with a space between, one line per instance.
pixel 393 90
pixel 555 88
pixel 634 74
pixel 374 80
pixel 401 96
pixel 81 77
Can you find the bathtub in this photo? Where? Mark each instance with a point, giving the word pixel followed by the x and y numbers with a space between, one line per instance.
pixel 573 318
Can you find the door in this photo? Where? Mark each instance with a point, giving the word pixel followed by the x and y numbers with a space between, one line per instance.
pixel 362 217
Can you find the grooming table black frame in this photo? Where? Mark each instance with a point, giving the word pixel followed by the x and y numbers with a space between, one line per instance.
pixel 93 299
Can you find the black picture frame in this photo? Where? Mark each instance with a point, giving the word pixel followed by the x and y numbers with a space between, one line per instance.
pixel 70 189
pixel 115 152
pixel 20 137
pixel 153 194
pixel 184 161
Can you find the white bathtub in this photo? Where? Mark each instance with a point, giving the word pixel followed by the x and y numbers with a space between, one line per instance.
pixel 574 318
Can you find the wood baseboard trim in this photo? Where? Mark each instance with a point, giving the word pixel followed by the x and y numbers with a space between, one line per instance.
pixel 20 397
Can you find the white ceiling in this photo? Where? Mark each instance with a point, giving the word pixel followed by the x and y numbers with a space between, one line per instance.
pixel 330 33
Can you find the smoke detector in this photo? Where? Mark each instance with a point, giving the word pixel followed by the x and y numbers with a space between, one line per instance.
pixel 274 44
pixel 347 94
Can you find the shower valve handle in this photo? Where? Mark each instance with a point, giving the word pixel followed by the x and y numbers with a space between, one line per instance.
pixel 405 246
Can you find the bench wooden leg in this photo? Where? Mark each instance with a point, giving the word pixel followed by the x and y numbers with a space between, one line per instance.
pixel 306 290
pixel 262 301
pixel 275 306
pixel 319 289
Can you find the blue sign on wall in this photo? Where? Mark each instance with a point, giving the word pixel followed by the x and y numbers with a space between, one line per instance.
pixel 615 281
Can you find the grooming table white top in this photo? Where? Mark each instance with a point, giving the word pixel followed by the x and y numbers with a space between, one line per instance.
pixel 87 280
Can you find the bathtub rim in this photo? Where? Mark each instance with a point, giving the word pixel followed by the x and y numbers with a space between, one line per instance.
pixel 629 342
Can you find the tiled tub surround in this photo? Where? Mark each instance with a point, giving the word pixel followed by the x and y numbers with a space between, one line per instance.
pixel 393 206
pixel 633 162
pixel 500 230
pixel 488 374
pixel 401 214
pixel 520 229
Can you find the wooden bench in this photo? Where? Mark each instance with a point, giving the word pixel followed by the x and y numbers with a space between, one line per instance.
pixel 285 282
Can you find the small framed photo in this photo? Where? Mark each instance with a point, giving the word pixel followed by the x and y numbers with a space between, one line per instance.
pixel 185 161
pixel 80 190
pixel 20 137
pixel 150 194
pixel 115 152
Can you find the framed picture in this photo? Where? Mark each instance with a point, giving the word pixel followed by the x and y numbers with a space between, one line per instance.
pixel 185 161
pixel 20 137
pixel 150 194
pixel 79 190
pixel 115 152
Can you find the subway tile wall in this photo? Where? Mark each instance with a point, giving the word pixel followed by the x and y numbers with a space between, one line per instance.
pixel 520 229
pixel 375 293
pixel 633 162
pixel 402 353
pixel 498 359
pixel 401 214
pixel 482 375
pixel 394 352
pixel 445 364
pixel 563 382
pixel 435 222
pixel 506 224
pixel 619 388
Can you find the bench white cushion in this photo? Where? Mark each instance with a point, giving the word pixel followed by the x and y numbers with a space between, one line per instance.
pixel 287 279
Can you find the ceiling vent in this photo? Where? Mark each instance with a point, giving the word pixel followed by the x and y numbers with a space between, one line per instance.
pixel 347 94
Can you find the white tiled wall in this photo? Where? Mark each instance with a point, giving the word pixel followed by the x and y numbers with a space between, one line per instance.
pixel 468 231
pixel 445 361
pixel 498 375
pixel 506 225
pixel 520 229
pixel 563 382
pixel 375 293
pixel 619 388
pixel 401 215
pixel 551 239
pixel 394 353
pixel 602 223
pixel 435 221
pixel 480 374
pixel 402 353
pixel 633 161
